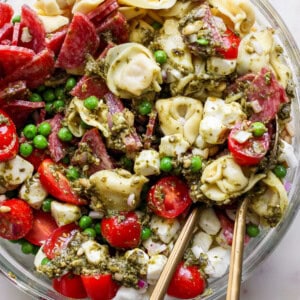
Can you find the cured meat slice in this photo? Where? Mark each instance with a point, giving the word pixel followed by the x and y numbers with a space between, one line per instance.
pixel 116 24
pixel 19 110
pixel 6 13
pixel 6 32
pixel 55 42
pixel 13 57
pixel 81 39
pixel 90 86
pixel 13 90
pixel 16 34
pixel 34 72
pixel 30 19
pixel 148 139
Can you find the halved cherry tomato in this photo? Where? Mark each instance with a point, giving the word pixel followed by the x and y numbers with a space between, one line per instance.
pixel 122 231
pixel 43 226
pixel 16 219
pixel 57 184
pixel 250 152
pixel 169 197
pixel 59 240
pixel 9 143
pixel 231 45
pixel 36 158
pixel 187 282
pixel 100 287
pixel 70 285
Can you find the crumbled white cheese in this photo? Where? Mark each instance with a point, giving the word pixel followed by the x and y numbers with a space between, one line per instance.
pixel 147 163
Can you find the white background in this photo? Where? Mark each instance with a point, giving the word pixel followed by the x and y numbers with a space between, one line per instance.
pixel 278 277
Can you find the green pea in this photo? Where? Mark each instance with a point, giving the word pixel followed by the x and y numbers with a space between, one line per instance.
pixel 16 19
pixel 34 97
pixel 126 163
pixel 156 25
pixel 72 173
pixel 90 232
pixel 258 129
pixel 280 171
pixel 35 249
pixel 25 149
pixel 27 248
pixel 70 84
pixel 145 108
pixel 97 228
pixel 160 56
pixel 65 160
pixel 49 107
pixel 58 105
pixel 60 93
pixel 146 233
pixel 46 206
pixel 45 261
pixel 30 131
pixel 44 128
pixel 196 164
pixel 41 88
pixel 49 95
pixel 252 230
pixel 202 42
pixel 85 222
pixel 64 134
pixel 40 142
pixel 166 164
pixel 91 102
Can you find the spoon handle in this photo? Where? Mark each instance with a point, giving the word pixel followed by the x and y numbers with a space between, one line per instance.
pixel 175 256
pixel 236 259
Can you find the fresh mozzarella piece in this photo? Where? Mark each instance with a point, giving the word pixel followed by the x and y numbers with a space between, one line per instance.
pixel 149 4
pixel 288 155
pixel 201 243
pixel 126 293
pixel 155 267
pixel 209 221
pixel 48 7
pixel 147 163
pixel 26 37
pixel 85 6
pixel 220 66
pixel 94 252
pixel 39 257
pixel 218 262
pixel 137 255
pixel 65 213
pixel 154 247
pixel 33 192
pixel 14 172
pixel 165 229
pixel 173 145
pixel 53 23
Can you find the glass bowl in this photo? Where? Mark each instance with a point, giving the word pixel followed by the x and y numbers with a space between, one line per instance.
pixel 19 269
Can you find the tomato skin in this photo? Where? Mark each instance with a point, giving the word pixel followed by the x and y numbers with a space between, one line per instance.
pixel 9 143
pixel 70 285
pixel 169 197
pixel 36 158
pixel 17 222
pixel 122 231
pixel 232 42
pixel 43 226
pixel 59 239
pixel 187 282
pixel 57 184
pixel 100 287
pixel 244 153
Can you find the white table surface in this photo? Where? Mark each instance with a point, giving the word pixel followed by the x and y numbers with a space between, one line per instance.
pixel 278 278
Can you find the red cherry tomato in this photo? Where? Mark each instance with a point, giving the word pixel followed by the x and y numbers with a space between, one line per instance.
pixel 9 143
pixel 122 231
pixel 187 282
pixel 57 184
pixel 103 283
pixel 59 240
pixel 36 158
pixel 169 197
pixel 43 226
pixel 231 48
pixel 250 152
pixel 16 219
pixel 70 285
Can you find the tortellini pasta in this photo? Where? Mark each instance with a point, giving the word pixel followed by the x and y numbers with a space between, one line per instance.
pixel 218 118
pixel 272 203
pixel 220 66
pixel 224 179
pixel 132 71
pixel 180 115
pixel 85 6
pixel 53 23
pixel 149 4
pixel 117 189
pixel 239 12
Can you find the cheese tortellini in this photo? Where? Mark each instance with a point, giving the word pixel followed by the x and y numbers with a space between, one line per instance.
pixel 132 71
pixel 224 179
pixel 218 118
pixel 149 4
pixel 180 115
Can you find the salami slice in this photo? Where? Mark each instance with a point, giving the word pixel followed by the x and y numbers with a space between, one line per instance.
pixel 16 34
pixel 13 90
pixel 90 86
pixel 30 19
pixel 6 32
pixel 55 42
pixel 13 57
pixel 81 39
pixel 6 13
